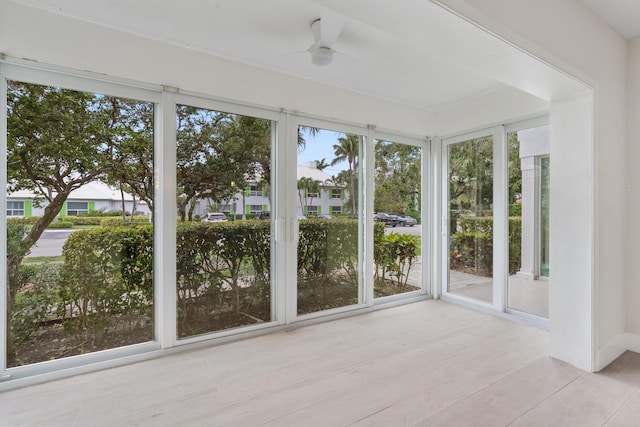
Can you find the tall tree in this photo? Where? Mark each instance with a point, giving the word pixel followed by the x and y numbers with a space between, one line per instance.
pixel 347 150
pixel 471 175
pixel 397 177
pixel 58 141
pixel 216 154
pixel 133 161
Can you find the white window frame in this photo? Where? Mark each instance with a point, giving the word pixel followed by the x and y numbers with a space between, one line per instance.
pixel 426 193
pixel 500 220
pixel 255 192
pixel 199 101
pixel 77 211
pixel 84 82
pixel 11 212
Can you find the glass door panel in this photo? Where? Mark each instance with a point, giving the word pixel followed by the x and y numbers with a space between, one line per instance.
pixel 78 221
pixel 397 229
pixel 328 209
pixel 223 234
pixel 470 214
pixel 529 220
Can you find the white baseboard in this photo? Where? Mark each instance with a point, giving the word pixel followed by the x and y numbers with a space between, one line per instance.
pixel 632 341
pixel 614 348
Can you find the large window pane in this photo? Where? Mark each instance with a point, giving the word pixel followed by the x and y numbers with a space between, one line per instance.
pixel 329 233
pixel 223 250
pixel 90 288
pixel 528 290
pixel 470 166
pixel 397 233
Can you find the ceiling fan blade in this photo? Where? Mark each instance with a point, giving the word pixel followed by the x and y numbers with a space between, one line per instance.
pixel 330 26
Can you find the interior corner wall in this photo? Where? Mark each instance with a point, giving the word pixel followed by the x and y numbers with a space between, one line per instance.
pixel 631 189
pixel 570 37
pixel 571 236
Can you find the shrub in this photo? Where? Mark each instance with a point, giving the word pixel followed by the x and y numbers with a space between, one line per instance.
pixel 395 254
pixel 106 278
pixel 474 245
pixel 515 209
pixel 112 222
pixel 221 266
pixel 325 247
pixel 33 305
pixel 82 220
pixel 60 225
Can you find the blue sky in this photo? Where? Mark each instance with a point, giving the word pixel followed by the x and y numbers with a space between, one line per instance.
pixel 321 146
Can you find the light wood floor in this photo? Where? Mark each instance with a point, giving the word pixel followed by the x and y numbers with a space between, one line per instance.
pixel 424 364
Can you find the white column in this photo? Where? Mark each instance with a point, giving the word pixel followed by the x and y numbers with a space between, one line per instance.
pixel 530 218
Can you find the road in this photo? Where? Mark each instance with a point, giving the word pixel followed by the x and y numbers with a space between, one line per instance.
pixel 415 230
pixel 50 243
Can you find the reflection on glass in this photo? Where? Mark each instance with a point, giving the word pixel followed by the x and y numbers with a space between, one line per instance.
pixel 79 265
pixel 224 233
pixel 328 211
pixel 397 235
pixel 470 165
pixel 529 220
pixel 544 217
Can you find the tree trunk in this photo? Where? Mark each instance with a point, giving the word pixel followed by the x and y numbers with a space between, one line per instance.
pixel 134 206
pixel 124 206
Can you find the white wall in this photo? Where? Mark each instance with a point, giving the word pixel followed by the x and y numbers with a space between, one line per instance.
pixel 498 107
pixel 569 36
pixel 571 240
pixel 632 186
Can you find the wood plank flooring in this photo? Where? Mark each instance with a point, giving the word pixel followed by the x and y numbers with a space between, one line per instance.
pixel 430 363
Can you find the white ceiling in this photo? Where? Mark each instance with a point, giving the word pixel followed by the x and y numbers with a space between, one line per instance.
pixel 409 51
pixel 622 15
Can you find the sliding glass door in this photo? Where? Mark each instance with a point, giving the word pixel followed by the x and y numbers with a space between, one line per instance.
pixel 469 213
pixel 328 219
pixel 528 285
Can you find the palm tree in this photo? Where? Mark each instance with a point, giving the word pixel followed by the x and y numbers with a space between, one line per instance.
pixel 302 143
pixel 322 164
pixel 347 150
pixel 307 187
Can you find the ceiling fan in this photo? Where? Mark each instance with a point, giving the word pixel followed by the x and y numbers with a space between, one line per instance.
pixel 326 30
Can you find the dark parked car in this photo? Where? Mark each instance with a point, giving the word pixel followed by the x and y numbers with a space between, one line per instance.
pixel 407 220
pixel 388 219
pixel 264 215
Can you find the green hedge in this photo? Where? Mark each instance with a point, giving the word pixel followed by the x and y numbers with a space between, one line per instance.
pixel 105 283
pixel 26 221
pixel 82 220
pixel 113 222
pixel 60 225
pixel 515 209
pixel 473 245
pixel 107 277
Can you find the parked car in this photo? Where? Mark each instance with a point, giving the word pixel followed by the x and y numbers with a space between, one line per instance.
pixel 264 215
pixel 389 220
pixel 325 216
pixel 407 221
pixel 214 217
